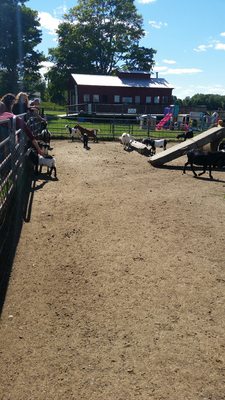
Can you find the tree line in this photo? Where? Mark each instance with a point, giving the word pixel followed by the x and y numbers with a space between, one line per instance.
pixel 95 37
pixel 211 101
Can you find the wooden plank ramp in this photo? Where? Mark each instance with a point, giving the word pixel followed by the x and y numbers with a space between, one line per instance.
pixel 212 137
pixel 140 147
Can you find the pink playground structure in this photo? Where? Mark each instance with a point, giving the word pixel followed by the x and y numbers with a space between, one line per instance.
pixel 164 121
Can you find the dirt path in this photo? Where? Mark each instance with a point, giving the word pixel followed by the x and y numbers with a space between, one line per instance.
pixel 118 285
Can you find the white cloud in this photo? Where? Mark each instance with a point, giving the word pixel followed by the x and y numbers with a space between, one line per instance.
pixel 213 44
pixel 181 71
pixel 176 71
pixel 49 22
pixel 203 47
pixel 220 46
pixel 191 90
pixel 159 69
pixel 45 67
pixel 169 61
pixel 157 24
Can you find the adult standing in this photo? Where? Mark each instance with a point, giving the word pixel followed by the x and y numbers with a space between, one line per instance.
pixel 9 101
pixel 21 104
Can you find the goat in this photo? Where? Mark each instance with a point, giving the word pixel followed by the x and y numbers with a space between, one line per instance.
pixel 85 141
pixel 45 134
pixel 90 132
pixel 204 159
pixel 155 143
pixel 186 135
pixel 40 161
pixel 45 147
pixel 221 146
pixel 48 162
pixel 74 133
pixel 126 139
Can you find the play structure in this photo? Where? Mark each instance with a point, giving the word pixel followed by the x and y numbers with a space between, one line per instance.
pixel 164 121
pixel 172 119
pixel 212 137
pixel 170 113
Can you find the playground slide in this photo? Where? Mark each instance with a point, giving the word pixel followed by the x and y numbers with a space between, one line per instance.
pixel 164 121
pixel 212 136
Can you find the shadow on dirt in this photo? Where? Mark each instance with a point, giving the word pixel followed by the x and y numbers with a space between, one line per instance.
pixel 18 212
pixel 198 169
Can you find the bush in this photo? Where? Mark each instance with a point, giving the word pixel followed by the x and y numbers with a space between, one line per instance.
pixel 48 106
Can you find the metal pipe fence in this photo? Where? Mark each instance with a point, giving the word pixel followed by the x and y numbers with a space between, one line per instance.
pixel 108 128
pixel 13 145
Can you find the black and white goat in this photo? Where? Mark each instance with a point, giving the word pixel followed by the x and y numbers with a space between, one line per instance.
pixel 45 134
pixel 45 147
pixel 73 132
pixel 49 162
pixel 42 161
pixel 162 143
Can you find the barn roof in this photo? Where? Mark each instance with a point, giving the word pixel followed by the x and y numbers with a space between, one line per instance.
pixel 119 81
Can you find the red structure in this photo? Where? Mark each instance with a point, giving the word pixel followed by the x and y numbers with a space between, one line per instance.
pixel 134 92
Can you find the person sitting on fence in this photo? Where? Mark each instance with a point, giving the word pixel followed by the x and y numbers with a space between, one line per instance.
pixel 35 107
pixel 8 100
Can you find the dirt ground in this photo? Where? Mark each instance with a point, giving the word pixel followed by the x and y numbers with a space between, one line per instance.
pixel 118 285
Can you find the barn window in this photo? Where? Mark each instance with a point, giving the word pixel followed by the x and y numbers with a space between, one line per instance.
pixel 148 99
pixel 156 100
pixel 86 98
pixel 165 99
pixel 127 100
pixel 95 98
pixel 116 98
pixel 137 99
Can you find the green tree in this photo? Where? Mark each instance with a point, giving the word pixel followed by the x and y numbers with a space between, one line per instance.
pixel 211 101
pixel 138 58
pixel 98 37
pixel 20 34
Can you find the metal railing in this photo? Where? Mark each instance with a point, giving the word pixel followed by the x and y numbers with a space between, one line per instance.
pixel 13 145
pixel 108 128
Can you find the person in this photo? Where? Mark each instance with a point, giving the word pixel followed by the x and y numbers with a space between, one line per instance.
pixel 21 104
pixel 34 110
pixel 2 107
pixel 8 100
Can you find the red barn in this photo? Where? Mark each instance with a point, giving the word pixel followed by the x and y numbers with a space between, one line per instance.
pixel 127 93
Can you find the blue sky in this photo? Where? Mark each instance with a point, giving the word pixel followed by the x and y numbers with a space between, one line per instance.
pixel 189 37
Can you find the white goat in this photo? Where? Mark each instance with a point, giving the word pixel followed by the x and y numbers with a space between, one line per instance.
pixel 126 139
pixel 48 162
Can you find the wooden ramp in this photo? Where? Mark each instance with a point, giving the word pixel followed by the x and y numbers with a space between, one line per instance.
pixel 140 147
pixel 212 137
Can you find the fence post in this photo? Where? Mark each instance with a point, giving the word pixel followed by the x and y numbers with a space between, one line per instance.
pixel 113 130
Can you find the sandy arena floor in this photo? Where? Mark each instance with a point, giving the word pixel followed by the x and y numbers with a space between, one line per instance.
pixel 118 286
